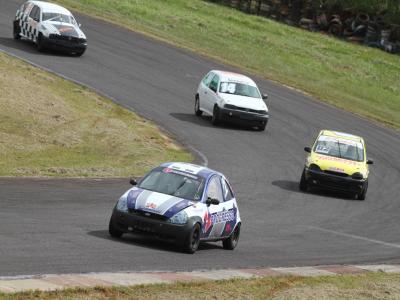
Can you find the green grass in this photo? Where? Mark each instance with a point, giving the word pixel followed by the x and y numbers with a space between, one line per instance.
pixel 365 286
pixel 362 80
pixel 52 127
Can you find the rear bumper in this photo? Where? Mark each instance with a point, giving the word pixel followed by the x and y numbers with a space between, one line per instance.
pixel 333 182
pixel 237 116
pixel 136 223
pixel 64 45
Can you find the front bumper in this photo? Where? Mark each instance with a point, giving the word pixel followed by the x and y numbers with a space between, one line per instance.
pixel 239 116
pixel 133 222
pixel 64 44
pixel 334 182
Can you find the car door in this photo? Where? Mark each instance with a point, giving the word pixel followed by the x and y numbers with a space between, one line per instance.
pixel 215 222
pixel 33 23
pixel 212 96
pixel 204 90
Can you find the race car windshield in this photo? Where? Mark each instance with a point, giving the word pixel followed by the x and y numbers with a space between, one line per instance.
pixel 345 149
pixel 240 89
pixel 174 183
pixel 56 17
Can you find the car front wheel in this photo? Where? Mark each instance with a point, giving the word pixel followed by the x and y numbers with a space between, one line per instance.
pixel 231 242
pixel 303 186
pixel 197 110
pixel 215 116
pixel 363 194
pixel 114 232
pixel 192 241
pixel 39 43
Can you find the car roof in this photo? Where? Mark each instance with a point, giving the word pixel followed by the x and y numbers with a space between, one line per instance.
pixel 342 135
pixel 191 169
pixel 236 77
pixel 51 7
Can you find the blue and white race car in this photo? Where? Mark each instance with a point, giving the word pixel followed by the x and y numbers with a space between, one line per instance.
pixel 181 202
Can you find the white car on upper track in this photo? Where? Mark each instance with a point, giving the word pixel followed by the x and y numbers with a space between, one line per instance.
pixel 231 97
pixel 49 25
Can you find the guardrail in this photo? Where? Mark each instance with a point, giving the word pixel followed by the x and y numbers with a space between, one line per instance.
pixel 349 24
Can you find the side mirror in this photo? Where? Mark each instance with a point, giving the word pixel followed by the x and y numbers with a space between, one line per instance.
pixel 307 149
pixel 370 161
pixel 133 181
pixel 80 25
pixel 212 201
pixel 264 96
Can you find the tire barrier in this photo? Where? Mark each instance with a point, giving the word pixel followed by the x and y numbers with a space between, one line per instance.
pixel 353 26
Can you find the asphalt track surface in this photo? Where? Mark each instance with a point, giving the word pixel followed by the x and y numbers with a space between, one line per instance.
pixel 60 226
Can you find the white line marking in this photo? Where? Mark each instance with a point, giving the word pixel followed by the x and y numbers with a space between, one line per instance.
pixel 355 237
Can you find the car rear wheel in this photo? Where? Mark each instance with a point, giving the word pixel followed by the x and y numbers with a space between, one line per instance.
pixel 193 240
pixel 231 242
pixel 114 232
pixel 303 185
pixel 215 116
pixel 197 110
pixel 16 31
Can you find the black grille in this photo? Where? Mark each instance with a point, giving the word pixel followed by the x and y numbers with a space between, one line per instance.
pixel 71 39
pixel 254 111
pixel 147 215
pixel 336 173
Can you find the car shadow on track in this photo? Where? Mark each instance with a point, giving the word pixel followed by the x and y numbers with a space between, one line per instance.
pixel 205 121
pixel 28 47
pixel 293 186
pixel 148 241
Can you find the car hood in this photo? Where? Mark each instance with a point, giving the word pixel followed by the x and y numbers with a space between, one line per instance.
pixel 330 163
pixel 63 28
pixel 156 203
pixel 245 102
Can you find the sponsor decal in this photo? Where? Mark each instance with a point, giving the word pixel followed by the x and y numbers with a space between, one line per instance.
pixel 223 216
pixel 207 221
pixel 336 169
pixel 332 158
pixel 151 205
pixel 65 29
pixel 169 170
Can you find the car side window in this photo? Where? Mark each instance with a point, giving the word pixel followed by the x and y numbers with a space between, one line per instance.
pixel 214 189
pixel 228 195
pixel 206 80
pixel 214 83
pixel 35 13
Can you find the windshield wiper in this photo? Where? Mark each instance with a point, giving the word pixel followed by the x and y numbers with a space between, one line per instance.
pixel 340 154
pixel 180 186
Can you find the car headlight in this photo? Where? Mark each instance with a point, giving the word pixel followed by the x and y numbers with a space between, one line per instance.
pixel 122 204
pixel 179 218
pixel 357 175
pixel 314 167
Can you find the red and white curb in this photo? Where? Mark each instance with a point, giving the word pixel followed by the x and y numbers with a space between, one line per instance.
pixel 55 282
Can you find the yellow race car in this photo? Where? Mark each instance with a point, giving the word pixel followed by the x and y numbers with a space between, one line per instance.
pixel 337 161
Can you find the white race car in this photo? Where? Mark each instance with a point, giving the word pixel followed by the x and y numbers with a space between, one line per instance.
pixel 231 97
pixel 180 202
pixel 49 26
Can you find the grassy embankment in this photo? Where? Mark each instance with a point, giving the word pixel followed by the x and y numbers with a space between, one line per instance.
pixel 366 286
pixel 52 127
pixel 363 80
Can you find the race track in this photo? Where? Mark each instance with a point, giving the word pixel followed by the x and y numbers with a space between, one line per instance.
pixel 60 226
